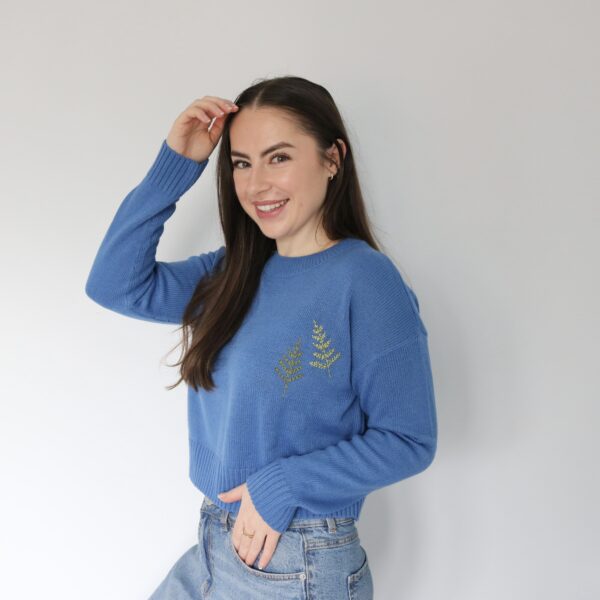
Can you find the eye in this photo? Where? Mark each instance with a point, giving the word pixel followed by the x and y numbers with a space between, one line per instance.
pixel 285 156
pixel 236 163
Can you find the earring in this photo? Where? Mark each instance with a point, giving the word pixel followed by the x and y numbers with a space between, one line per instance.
pixel 331 177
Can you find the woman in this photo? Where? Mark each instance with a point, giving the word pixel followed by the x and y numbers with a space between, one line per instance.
pixel 304 354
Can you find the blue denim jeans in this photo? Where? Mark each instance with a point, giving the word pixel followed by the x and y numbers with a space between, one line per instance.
pixel 315 559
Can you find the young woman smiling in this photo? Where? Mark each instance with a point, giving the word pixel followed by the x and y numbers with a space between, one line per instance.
pixel 306 360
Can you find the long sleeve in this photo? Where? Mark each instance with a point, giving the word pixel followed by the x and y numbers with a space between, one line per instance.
pixel 396 392
pixel 125 276
pixel 394 385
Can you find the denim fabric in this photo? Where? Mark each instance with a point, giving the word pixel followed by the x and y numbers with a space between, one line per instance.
pixel 315 559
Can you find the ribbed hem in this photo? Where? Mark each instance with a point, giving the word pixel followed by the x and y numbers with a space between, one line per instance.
pixel 211 477
pixel 271 496
pixel 174 173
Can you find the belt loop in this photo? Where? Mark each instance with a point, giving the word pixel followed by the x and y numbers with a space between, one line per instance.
pixel 331 525
pixel 224 519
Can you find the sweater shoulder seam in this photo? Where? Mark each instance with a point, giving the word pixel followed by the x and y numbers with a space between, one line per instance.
pixel 405 342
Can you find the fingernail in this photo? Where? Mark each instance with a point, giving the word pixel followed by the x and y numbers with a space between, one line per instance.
pixel 260 567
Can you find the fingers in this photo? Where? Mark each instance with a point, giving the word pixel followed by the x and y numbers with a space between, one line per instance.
pixel 224 105
pixel 268 550
pixel 199 113
pixel 247 547
pixel 212 107
pixel 254 546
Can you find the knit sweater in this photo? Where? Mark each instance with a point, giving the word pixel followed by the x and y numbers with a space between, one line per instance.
pixel 325 392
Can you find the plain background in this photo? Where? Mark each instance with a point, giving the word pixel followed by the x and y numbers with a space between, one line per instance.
pixel 476 129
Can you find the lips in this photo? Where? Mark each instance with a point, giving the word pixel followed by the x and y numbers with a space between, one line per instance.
pixel 265 202
pixel 273 213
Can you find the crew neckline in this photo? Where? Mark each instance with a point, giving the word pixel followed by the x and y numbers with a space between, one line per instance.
pixel 279 265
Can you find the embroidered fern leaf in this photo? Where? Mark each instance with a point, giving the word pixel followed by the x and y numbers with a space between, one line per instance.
pixel 291 365
pixel 324 354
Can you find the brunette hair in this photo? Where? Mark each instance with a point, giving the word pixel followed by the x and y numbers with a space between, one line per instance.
pixel 220 301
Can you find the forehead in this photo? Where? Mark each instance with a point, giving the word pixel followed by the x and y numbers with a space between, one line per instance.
pixel 256 128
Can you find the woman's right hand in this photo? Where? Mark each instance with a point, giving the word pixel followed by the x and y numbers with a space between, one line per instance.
pixel 190 135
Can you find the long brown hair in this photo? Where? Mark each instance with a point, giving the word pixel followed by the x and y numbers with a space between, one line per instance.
pixel 220 301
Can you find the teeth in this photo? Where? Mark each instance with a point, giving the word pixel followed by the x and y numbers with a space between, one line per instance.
pixel 270 207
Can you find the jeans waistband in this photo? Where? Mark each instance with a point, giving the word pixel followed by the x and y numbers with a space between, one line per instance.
pixel 224 515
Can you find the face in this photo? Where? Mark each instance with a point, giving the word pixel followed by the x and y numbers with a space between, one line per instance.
pixel 294 172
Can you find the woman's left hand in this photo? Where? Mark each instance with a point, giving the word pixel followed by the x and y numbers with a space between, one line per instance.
pixel 250 520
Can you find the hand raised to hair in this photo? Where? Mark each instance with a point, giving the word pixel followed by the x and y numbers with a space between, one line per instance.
pixel 190 134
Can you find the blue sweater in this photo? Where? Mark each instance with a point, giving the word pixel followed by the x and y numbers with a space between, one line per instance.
pixel 323 395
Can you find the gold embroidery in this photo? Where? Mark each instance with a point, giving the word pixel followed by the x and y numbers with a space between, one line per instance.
pixel 325 356
pixel 291 365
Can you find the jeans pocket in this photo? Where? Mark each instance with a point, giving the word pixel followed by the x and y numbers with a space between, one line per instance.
pixel 360 582
pixel 279 574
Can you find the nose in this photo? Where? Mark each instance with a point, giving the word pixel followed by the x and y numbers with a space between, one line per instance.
pixel 257 182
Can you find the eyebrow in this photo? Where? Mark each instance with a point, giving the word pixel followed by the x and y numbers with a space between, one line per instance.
pixel 265 152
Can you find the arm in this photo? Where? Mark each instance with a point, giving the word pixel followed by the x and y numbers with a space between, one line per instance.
pixel 396 392
pixel 125 277
pixel 394 385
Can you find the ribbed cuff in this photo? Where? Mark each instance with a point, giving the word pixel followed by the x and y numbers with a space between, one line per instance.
pixel 271 496
pixel 174 173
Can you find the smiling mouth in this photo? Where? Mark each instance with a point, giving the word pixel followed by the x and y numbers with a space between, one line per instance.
pixel 273 206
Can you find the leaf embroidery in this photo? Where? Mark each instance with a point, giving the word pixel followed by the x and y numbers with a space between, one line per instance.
pixel 325 355
pixel 291 365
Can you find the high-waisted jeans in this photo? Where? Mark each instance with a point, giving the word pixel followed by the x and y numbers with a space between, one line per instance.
pixel 315 559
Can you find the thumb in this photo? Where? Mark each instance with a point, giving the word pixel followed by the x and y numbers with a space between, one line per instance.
pixel 231 495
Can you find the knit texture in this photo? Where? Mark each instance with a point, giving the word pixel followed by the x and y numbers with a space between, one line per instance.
pixel 323 395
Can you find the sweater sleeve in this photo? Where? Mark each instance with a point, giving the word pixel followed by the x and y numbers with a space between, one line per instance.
pixel 394 385
pixel 125 276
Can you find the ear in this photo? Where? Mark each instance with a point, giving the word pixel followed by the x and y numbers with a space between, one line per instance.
pixel 333 152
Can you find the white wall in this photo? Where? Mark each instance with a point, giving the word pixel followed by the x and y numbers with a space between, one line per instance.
pixel 476 128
